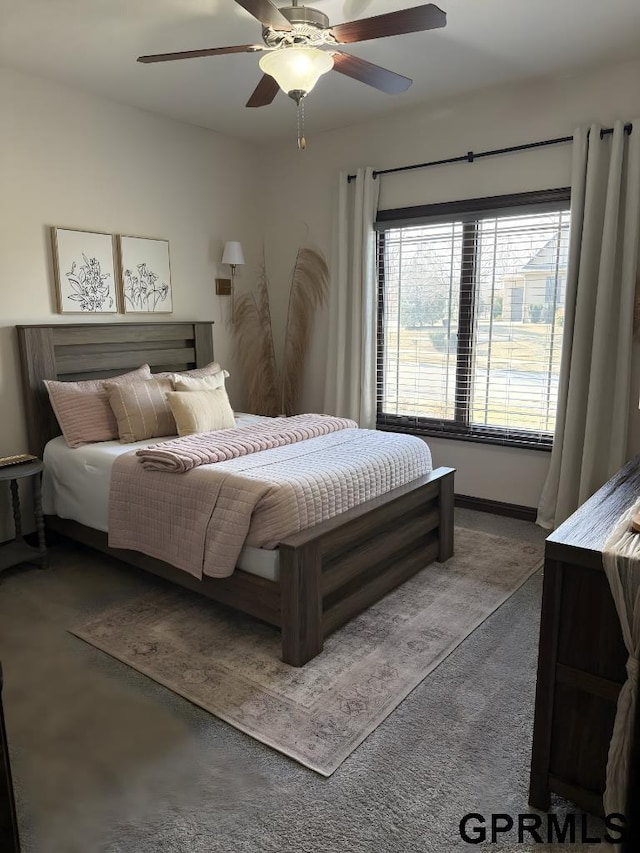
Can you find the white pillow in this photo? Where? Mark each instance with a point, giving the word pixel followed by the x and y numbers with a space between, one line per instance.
pixel 203 383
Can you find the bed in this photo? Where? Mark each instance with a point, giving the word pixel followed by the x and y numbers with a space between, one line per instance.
pixel 320 577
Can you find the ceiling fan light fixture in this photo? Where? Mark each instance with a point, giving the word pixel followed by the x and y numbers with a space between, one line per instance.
pixel 296 69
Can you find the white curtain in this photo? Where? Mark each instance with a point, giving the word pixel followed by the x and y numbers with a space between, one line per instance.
pixel 350 389
pixel 621 559
pixel 590 442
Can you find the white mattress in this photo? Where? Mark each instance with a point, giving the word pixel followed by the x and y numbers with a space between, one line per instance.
pixel 75 485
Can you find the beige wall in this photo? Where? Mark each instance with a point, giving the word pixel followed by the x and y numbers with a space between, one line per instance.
pixel 301 189
pixel 72 159
pixel 68 158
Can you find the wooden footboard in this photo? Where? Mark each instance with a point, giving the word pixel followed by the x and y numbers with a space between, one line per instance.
pixel 328 573
pixel 332 572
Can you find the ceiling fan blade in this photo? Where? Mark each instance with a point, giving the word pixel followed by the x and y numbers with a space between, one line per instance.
pixel 265 11
pixel 414 20
pixel 192 54
pixel 264 93
pixel 373 75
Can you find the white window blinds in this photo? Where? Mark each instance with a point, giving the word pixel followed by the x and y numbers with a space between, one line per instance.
pixel 470 323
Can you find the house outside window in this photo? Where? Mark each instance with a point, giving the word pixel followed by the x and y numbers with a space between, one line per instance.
pixel 471 313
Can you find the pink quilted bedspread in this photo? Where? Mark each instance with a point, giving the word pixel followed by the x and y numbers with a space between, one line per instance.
pixel 201 520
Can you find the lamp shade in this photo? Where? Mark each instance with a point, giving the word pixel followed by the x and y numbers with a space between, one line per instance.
pixel 296 69
pixel 232 253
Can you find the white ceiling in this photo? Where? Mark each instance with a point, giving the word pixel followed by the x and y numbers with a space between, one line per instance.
pixel 93 44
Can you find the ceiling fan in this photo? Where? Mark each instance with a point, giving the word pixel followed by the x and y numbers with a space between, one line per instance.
pixel 299 47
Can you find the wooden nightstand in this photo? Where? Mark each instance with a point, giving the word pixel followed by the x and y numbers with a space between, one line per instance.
pixel 17 550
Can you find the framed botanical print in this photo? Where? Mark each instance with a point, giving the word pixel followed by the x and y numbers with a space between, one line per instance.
pixel 84 268
pixel 145 275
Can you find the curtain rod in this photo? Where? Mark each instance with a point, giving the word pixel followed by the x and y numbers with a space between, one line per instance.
pixel 470 156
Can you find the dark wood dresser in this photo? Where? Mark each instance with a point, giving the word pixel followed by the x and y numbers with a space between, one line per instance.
pixel 632 844
pixel 9 842
pixel 582 657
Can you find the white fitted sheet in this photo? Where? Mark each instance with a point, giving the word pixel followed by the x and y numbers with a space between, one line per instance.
pixel 75 485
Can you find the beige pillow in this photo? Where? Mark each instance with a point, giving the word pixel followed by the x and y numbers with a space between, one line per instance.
pixel 206 383
pixel 201 411
pixel 83 410
pixel 142 410
pixel 196 373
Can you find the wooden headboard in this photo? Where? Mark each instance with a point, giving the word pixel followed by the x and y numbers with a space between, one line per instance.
pixel 97 351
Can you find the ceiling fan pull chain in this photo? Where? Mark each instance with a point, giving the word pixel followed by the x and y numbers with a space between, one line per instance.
pixel 302 142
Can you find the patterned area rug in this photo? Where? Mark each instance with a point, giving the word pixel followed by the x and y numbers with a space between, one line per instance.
pixel 229 664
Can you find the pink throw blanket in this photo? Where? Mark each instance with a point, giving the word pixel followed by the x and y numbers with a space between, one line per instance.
pixel 182 454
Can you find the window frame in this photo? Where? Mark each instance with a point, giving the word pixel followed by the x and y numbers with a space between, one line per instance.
pixel 469 212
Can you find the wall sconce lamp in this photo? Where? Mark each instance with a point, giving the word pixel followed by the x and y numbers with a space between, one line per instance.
pixel 233 256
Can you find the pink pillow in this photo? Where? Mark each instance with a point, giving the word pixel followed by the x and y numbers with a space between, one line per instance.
pixel 83 410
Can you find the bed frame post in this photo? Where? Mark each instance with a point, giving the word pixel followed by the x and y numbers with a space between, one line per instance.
pixel 301 603
pixel 446 518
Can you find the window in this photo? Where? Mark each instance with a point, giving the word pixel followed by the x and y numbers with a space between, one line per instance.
pixel 471 308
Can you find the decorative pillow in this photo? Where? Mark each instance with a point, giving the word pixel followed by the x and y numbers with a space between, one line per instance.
pixel 196 373
pixel 141 409
pixel 205 383
pixel 201 411
pixel 83 410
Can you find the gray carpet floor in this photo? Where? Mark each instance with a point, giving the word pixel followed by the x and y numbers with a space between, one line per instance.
pixel 106 760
